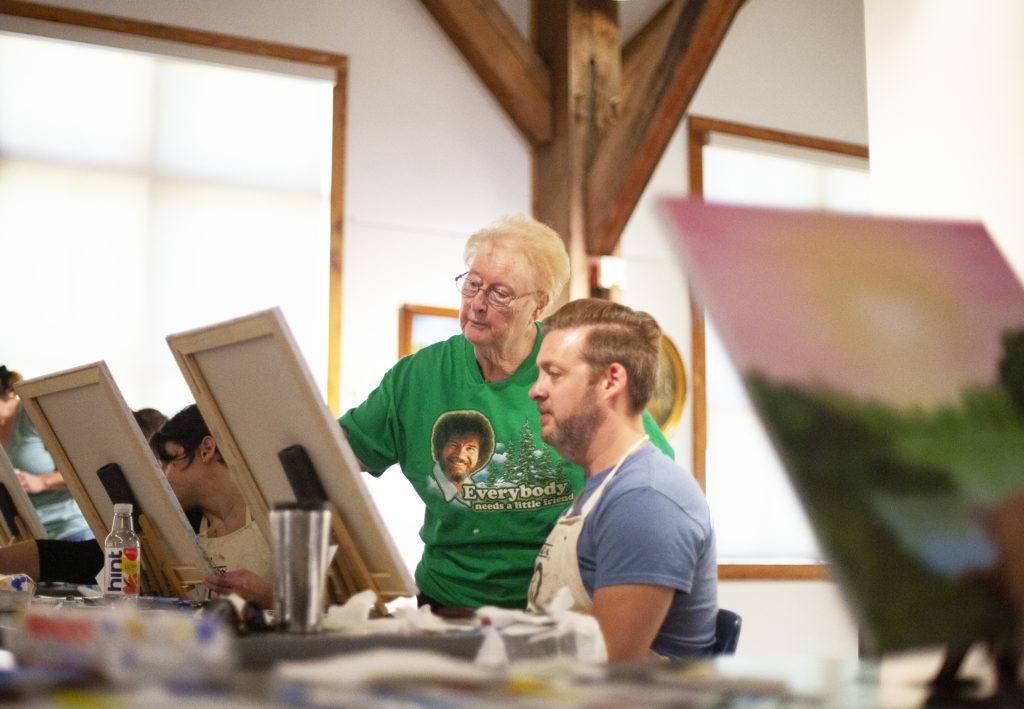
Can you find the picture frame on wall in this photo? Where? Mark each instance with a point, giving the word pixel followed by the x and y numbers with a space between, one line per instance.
pixel 666 406
pixel 422 325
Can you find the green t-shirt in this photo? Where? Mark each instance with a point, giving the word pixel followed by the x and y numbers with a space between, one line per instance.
pixel 480 544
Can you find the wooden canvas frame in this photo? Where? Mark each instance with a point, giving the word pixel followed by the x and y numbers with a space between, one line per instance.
pixel 25 524
pixel 86 424
pixel 258 397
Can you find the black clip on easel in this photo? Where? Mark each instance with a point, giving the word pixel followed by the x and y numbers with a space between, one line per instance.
pixel 116 485
pixel 301 474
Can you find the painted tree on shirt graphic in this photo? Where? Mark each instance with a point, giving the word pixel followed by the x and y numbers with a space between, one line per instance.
pixel 526 463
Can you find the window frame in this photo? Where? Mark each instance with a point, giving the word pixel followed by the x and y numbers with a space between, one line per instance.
pixel 700 131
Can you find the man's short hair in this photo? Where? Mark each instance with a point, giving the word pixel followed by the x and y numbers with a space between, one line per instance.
pixel 615 333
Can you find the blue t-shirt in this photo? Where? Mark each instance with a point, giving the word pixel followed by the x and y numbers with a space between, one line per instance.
pixel 652 526
pixel 57 510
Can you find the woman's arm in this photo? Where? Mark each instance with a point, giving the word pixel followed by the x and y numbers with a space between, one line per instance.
pixel 20 558
pixel 43 482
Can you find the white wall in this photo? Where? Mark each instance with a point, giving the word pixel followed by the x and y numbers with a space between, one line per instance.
pixel 955 149
pixel 431 157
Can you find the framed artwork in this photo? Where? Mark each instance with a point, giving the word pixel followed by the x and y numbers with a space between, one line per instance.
pixel 666 405
pixel 18 518
pixel 282 443
pixel 100 450
pixel 422 325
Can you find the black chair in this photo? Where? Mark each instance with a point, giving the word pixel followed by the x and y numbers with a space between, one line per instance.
pixel 727 632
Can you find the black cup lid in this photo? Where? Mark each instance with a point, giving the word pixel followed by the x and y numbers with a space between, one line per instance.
pixel 300 505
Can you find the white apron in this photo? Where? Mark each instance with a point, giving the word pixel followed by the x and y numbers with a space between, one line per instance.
pixel 557 563
pixel 245 548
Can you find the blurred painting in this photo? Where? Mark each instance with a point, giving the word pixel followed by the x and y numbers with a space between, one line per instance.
pixel 885 358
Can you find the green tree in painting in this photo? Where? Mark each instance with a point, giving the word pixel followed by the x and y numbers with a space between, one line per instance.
pixel 1011 368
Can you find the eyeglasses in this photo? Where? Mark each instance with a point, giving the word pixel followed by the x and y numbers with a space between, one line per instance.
pixel 496 295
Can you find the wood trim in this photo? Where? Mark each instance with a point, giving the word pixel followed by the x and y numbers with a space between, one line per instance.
pixel 407 314
pixel 339 122
pixel 503 59
pixel 244 45
pixel 699 399
pixel 699 130
pixel 171 33
pixel 699 424
pixel 774 572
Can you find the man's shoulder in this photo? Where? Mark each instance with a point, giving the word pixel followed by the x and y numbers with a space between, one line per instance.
pixel 654 474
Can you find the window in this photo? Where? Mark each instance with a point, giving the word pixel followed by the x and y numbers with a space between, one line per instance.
pixel 142 195
pixel 743 477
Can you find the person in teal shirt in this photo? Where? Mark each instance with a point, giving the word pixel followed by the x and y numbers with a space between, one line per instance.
pixel 57 509
pixel 481 533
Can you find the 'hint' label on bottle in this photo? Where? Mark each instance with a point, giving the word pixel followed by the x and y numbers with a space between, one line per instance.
pixel 124 567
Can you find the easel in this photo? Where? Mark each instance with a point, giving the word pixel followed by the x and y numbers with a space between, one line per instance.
pixel 97 445
pixel 285 417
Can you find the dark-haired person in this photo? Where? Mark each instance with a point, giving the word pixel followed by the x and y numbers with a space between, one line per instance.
pixel 200 480
pixel 35 468
pixel 150 421
pixel 637 549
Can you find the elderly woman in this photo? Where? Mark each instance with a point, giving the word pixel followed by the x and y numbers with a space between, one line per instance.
pixel 481 538
pixel 35 468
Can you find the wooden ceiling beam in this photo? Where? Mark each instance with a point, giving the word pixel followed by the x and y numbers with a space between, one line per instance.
pixel 580 41
pixel 598 113
pixel 690 33
pixel 503 59
pixel 643 49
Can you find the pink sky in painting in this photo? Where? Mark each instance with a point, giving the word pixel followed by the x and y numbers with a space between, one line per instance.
pixel 901 311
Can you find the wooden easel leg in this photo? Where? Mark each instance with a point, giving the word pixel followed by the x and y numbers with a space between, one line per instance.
pixel 22 534
pixel 351 565
pixel 164 577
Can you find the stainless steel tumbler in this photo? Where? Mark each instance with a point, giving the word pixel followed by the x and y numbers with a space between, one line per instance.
pixel 299 535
